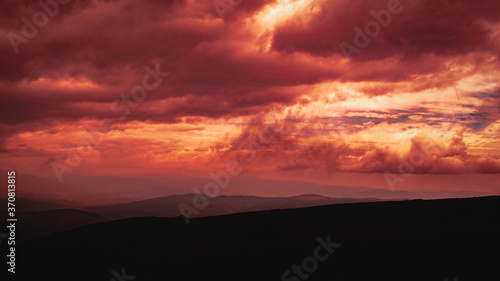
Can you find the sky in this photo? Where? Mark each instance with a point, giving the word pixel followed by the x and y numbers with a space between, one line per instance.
pixel 384 93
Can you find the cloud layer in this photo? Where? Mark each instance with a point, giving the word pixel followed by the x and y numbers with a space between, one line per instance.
pixel 429 78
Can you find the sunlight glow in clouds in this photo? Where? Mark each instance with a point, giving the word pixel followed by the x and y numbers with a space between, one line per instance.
pixel 281 11
pixel 433 82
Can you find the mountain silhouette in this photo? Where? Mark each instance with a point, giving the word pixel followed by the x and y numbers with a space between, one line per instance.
pixel 429 240
pixel 169 206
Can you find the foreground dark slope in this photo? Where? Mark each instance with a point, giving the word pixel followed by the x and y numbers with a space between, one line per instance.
pixel 407 240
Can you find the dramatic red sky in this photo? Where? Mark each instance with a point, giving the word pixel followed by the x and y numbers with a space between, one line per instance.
pixel 429 80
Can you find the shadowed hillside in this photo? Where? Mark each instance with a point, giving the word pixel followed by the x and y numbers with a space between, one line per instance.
pixel 406 240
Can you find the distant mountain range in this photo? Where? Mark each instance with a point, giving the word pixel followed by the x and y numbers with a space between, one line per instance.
pixel 28 205
pixel 87 191
pixel 221 205
pixel 41 218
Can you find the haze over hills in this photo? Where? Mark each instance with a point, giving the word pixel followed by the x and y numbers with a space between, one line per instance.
pixel 221 205
pixel 80 200
pixel 86 191
pixel 34 224
pixel 28 205
pixel 41 218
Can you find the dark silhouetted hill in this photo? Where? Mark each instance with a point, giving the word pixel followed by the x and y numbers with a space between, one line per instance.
pixel 402 240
